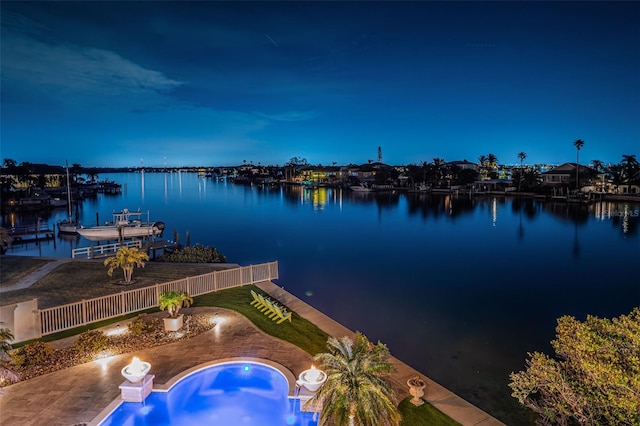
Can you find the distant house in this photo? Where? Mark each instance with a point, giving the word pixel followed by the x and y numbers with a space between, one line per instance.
pixel 464 165
pixel 28 175
pixel 565 175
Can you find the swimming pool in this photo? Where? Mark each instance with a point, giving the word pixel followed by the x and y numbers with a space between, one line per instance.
pixel 227 394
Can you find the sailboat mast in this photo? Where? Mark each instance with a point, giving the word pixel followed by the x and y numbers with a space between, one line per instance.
pixel 66 163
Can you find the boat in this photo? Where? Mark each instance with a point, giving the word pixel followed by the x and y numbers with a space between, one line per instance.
pixel 69 225
pixel 421 187
pixel 37 199
pixel 360 188
pixel 126 224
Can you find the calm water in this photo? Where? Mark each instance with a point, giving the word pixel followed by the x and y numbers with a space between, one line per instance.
pixel 461 289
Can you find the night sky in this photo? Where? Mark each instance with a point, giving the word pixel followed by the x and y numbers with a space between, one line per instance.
pixel 217 83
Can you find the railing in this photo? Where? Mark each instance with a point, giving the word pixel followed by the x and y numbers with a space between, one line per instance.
pixel 60 318
pixel 103 250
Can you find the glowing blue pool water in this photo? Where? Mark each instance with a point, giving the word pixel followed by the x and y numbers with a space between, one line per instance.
pixel 224 394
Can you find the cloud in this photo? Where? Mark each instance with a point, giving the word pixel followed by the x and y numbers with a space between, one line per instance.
pixel 68 72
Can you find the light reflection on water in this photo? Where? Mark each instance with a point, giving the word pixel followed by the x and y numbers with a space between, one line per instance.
pixel 458 288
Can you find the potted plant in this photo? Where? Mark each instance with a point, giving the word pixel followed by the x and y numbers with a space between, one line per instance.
pixel 416 389
pixel 172 301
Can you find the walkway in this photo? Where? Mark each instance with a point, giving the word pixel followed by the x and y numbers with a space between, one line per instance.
pixel 76 395
pixel 34 276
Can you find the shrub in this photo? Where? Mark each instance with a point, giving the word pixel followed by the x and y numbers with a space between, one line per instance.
pixel 138 326
pixel 32 354
pixel 91 341
pixel 195 254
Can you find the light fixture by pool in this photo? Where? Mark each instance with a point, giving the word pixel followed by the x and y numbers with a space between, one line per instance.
pixel 136 371
pixel 312 378
pixel 232 393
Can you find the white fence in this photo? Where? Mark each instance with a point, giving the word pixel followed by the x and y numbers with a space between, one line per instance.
pixel 103 250
pixel 59 318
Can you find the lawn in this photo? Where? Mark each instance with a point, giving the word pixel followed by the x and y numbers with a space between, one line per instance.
pixel 85 279
pixel 14 268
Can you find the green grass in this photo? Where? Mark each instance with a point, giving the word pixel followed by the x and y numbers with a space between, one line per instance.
pixel 14 268
pixel 424 415
pixel 299 331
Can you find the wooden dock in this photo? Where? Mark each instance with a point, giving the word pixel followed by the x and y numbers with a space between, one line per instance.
pixel 31 232
pixel 163 246
pixel 105 250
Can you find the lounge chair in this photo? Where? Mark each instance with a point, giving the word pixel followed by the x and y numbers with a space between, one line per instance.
pixel 283 314
pixel 264 303
pixel 272 309
pixel 256 299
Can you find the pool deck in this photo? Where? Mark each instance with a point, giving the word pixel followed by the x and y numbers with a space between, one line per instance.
pixel 76 395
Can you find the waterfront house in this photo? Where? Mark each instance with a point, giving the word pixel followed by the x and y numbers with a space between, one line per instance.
pixel 463 165
pixel 565 175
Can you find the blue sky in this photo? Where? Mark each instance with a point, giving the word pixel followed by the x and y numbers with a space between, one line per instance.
pixel 217 83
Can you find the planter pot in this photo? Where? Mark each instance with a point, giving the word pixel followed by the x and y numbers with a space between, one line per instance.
pixel 173 324
pixel 416 389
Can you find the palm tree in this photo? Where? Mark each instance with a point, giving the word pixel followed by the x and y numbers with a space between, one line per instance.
pixel 579 143
pixel 126 258
pixel 5 239
pixel 9 162
pixel 521 155
pixel 438 164
pixel 492 162
pixel 355 391
pixel 598 166
pixel 483 166
pixel 631 170
pixel 6 372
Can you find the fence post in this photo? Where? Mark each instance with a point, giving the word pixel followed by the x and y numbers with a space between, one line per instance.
pixel 252 279
pixel 84 312
pixel 215 280
pixel 122 302
pixel 188 286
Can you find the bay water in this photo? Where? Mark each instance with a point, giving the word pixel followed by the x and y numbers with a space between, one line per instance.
pixel 459 288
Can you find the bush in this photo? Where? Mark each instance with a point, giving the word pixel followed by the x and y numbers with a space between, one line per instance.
pixel 142 325
pixel 195 254
pixel 91 341
pixel 32 354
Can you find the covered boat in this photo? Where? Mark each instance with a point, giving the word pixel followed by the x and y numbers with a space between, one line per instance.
pixel 125 224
